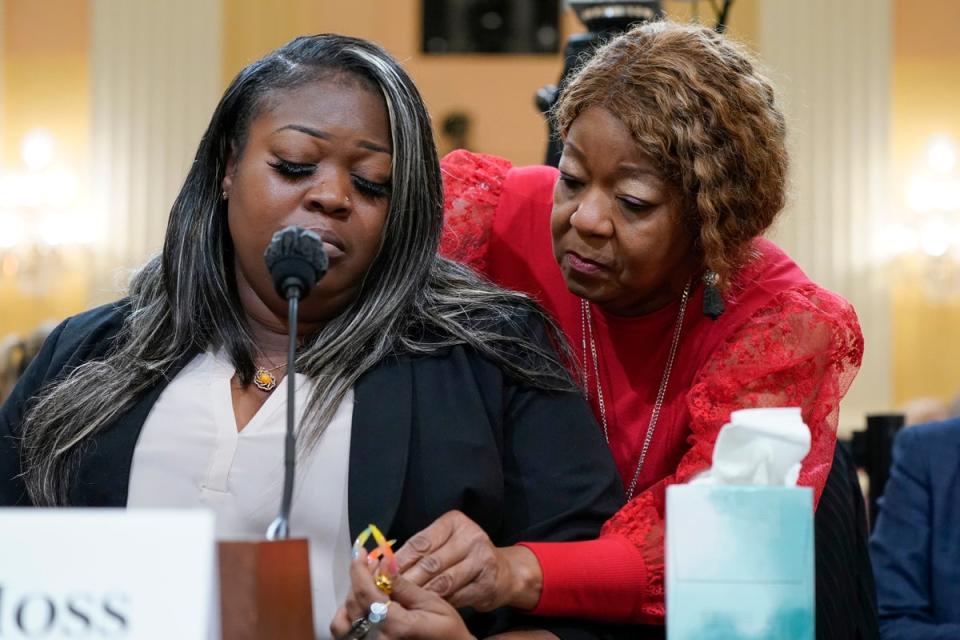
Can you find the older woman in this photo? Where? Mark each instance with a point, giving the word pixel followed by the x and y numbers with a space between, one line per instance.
pixel 645 246
pixel 410 368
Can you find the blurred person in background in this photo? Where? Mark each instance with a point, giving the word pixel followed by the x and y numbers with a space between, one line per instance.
pixel 915 545
pixel 923 410
pixel 12 364
pixel 16 353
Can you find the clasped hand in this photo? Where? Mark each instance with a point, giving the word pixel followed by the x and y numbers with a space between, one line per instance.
pixel 414 613
pixel 455 558
pixel 451 563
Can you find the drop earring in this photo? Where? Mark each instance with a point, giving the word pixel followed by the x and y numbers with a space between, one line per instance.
pixel 712 300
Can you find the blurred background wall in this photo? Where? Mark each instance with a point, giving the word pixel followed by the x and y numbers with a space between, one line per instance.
pixel 102 103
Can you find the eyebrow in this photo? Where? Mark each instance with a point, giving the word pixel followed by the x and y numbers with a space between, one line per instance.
pixel 323 135
pixel 625 169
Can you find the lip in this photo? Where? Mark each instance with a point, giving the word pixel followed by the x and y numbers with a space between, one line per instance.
pixel 586 266
pixel 332 243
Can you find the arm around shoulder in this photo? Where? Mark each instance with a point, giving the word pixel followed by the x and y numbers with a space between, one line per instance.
pixel 472 185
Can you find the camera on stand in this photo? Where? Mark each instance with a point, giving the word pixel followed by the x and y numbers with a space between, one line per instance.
pixel 603 20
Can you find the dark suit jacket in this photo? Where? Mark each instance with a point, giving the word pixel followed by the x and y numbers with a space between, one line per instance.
pixel 916 542
pixel 429 434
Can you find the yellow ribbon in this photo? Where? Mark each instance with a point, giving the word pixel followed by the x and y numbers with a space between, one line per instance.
pixel 384 548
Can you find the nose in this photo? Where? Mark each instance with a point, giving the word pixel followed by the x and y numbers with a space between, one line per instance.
pixel 329 194
pixel 592 215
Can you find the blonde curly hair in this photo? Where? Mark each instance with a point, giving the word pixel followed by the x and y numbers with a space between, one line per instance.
pixel 701 110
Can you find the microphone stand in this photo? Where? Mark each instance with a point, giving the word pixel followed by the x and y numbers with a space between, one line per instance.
pixel 265 585
pixel 279 529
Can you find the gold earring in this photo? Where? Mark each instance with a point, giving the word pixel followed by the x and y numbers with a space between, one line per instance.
pixel 223 195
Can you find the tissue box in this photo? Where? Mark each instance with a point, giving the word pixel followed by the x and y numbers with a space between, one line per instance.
pixel 739 562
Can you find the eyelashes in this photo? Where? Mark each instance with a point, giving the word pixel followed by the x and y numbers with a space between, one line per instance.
pixel 370 188
pixel 634 205
pixel 292 169
pixel 629 204
pixel 296 170
pixel 569 182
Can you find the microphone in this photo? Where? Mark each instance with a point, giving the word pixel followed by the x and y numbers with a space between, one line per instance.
pixel 296 260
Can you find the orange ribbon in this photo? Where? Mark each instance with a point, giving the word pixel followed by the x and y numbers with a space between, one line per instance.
pixel 384 548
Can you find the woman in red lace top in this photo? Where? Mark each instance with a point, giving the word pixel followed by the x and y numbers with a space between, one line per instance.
pixel 645 246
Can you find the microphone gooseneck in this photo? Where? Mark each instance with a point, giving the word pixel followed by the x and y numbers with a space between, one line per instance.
pixel 296 260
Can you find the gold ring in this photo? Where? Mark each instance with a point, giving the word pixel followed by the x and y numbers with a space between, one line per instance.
pixel 383 583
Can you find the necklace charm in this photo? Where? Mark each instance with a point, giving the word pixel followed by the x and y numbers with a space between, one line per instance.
pixel 264 380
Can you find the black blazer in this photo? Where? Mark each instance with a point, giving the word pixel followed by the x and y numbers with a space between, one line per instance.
pixel 429 434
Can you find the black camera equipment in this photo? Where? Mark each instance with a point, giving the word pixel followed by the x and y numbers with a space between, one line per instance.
pixel 603 20
pixel 872 452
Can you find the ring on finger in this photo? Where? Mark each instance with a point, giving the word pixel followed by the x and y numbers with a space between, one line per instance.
pixel 378 612
pixel 359 629
pixel 384 583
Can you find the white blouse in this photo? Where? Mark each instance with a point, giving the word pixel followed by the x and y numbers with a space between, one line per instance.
pixel 190 454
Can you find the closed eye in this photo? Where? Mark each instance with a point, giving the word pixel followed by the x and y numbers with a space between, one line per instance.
pixel 634 205
pixel 570 182
pixel 370 188
pixel 292 170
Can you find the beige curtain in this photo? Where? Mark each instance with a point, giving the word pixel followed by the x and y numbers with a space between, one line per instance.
pixel 831 61
pixel 155 81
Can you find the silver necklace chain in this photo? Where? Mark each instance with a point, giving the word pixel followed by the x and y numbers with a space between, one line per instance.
pixel 586 335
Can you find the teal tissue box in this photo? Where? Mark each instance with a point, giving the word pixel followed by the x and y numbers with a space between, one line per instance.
pixel 739 563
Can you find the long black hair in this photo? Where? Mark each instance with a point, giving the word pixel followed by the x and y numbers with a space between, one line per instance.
pixel 185 301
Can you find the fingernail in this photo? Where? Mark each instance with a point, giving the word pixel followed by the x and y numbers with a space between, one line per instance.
pixel 419 543
pixel 392 567
pixel 362 538
pixel 355 552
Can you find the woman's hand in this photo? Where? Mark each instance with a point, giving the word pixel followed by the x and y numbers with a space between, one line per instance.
pixel 413 614
pixel 455 558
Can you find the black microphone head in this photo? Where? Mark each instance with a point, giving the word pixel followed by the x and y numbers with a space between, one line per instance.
pixel 296 259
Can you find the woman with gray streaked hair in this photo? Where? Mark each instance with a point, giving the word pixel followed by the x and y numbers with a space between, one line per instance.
pixel 425 388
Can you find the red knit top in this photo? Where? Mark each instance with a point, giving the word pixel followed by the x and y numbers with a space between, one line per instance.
pixel 782 341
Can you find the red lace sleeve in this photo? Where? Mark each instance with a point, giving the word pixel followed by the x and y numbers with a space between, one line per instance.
pixel 472 184
pixel 802 349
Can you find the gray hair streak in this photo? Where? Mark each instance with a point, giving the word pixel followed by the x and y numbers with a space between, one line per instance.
pixel 184 302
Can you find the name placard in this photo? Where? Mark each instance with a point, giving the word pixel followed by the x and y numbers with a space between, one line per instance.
pixel 107 573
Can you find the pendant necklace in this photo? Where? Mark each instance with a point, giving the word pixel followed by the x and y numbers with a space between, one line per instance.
pixel 586 326
pixel 264 378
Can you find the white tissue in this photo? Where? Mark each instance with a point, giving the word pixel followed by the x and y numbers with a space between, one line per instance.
pixel 759 447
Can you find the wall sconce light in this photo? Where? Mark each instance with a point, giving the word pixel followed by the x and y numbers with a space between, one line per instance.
pixel 40 221
pixel 929 235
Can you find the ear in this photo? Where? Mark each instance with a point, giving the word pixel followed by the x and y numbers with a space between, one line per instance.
pixel 230 171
